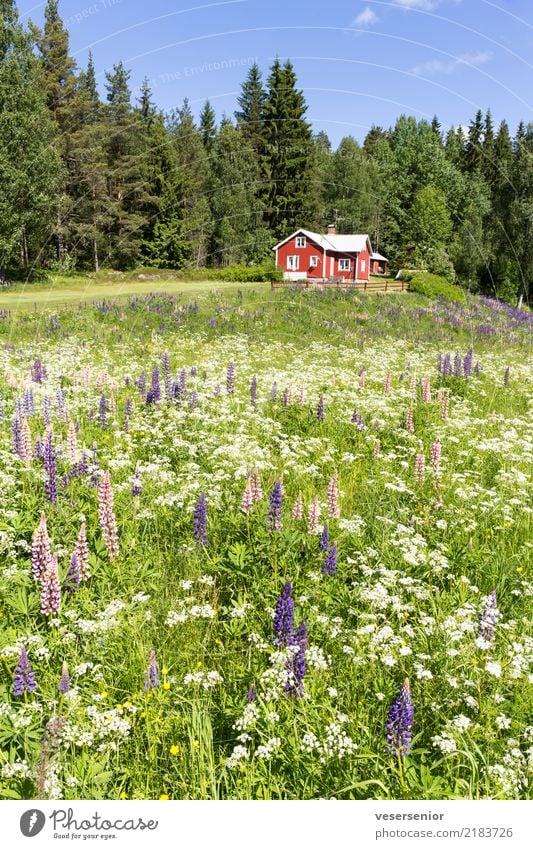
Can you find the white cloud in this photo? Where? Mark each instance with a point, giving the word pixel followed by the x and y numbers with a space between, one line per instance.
pixel 443 66
pixel 417 4
pixel 366 18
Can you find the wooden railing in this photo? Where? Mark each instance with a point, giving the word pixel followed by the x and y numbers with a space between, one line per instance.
pixel 365 286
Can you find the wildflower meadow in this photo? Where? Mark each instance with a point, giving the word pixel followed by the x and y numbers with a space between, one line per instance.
pixel 266 545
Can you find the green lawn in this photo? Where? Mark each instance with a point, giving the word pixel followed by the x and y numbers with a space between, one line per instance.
pixel 62 292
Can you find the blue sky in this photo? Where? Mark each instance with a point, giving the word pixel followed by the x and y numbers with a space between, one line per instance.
pixel 359 63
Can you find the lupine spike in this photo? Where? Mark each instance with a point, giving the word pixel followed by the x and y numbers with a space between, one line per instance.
pixel 64 681
pixel 23 679
pixel 108 522
pixel 275 508
pixel 298 508
pixel 333 497
pixel 81 552
pixel 200 521
pixel 284 617
pixel 40 549
pixel 313 516
pixel 151 680
pixel 50 589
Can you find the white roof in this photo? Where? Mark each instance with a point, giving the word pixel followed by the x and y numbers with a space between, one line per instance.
pixel 379 257
pixel 349 244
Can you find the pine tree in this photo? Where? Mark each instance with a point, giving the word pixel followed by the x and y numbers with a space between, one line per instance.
pixel 58 67
pixel 90 83
pixel 146 105
pixel 473 148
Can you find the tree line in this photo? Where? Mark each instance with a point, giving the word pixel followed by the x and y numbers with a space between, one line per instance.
pixel 88 182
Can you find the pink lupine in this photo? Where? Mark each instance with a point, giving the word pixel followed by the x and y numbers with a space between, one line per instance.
pixel 333 497
pixel 436 453
pixel 313 516
pixel 362 378
pixel 302 396
pixel 377 448
pixel 387 383
pixel 112 405
pixel 247 500
pixel 257 492
pixel 40 549
pixel 298 508
pixel 81 550
pixel 50 589
pixel 409 422
pixel 26 447
pixel 412 386
pixel 426 390
pixel 72 442
pixel 420 468
pixel 108 523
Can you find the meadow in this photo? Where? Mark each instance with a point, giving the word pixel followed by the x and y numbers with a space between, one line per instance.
pixel 261 545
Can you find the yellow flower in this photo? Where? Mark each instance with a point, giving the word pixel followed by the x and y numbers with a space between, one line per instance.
pixel 164 671
pixel 127 705
pixel 519 568
pixel 123 795
pixel 143 715
pixel 119 707
pixel 166 686
pixel 218 642
pixel 163 797
pixel 104 694
pixel 199 664
pixel 175 750
pixel 195 744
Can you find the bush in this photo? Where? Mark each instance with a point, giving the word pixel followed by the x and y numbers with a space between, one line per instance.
pixel 233 273
pixel 434 286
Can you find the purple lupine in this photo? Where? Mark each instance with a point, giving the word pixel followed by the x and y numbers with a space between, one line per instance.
pixel 506 376
pixel 251 695
pixel 398 733
pixel 330 560
pixel 156 388
pixel 37 371
pixel 230 378
pixel 275 508
pixel 127 413
pixel 50 588
pixel 447 365
pixel 200 521
pixel 217 390
pixel 141 384
pixel 102 411
pixel 193 400
pixel 489 617
pixel 274 392
pixel 457 365
pixel 136 484
pixel 165 369
pixel 73 579
pixel 467 363
pixel 60 401
pixel 23 679
pixel 151 680
pixel 284 617
pixel 297 666
pixel 38 451
pixel 324 539
pixel 253 391
pixel 183 381
pixel 50 469
pixel 64 681
pixel 47 411
pixel 320 409
pixel 28 404
pixel 16 435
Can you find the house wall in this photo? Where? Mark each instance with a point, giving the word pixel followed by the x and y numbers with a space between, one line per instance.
pixel 363 267
pixel 305 254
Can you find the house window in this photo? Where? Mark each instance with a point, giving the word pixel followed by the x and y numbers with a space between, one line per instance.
pixel 345 264
pixel 301 241
pixel 293 263
pixel 363 265
pixel 314 262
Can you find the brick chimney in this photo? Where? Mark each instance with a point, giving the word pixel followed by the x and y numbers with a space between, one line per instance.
pixel 331 230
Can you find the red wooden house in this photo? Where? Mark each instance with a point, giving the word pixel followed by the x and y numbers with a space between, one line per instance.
pixel 311 256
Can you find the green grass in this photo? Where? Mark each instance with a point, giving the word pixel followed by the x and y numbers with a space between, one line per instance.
pixel 416 558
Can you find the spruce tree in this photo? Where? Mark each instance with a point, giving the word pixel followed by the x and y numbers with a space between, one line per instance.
pixel 208 127
pixel 30 167
pixel 252 102
pixel 473 148
pixel 58 67
pixel 287 154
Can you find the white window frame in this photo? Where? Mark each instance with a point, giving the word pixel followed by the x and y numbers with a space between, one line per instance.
pixel 343 266
pixel 314 262
pixel 293 263
pixel 363 266
pixel 301 242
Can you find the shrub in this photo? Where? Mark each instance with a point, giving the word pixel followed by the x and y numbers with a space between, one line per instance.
pixel 434 286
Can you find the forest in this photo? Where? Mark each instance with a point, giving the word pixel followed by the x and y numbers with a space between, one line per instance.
pixel 94 179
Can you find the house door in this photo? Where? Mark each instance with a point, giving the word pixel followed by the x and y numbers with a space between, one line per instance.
pixel 331 266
